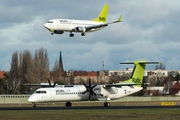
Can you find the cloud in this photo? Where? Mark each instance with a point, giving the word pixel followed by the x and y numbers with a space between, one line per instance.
pixel 149 31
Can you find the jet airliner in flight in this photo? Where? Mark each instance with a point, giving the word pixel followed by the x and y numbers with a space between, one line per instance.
pixel 104 92
pixel 59 26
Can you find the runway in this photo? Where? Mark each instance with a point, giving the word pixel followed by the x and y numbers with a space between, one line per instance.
pixel 89 108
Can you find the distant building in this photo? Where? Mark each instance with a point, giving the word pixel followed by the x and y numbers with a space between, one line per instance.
pixel 2 74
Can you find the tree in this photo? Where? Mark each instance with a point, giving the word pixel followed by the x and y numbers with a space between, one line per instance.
pixel 41 65
pixel 177 77
pixel 27 67
pixel 14 78
pixel 57 73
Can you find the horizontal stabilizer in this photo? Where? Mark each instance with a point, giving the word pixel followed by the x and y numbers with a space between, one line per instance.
pixel 123 84
pixel 141 62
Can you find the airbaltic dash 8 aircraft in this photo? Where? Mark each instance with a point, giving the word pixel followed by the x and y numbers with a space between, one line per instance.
pixel 59 26
pixel 106 92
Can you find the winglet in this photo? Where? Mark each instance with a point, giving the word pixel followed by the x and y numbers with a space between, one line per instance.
pixel 120 19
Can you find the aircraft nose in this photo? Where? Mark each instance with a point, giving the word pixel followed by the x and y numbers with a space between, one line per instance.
pixel 46 26
pixel 32 98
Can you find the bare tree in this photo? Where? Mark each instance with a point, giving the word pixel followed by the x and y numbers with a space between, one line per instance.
pixel 58 74
pixel 14 78
pixel 27 68
pixel 41 65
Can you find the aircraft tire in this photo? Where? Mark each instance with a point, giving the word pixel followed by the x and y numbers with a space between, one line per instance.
pixel 68 104
pixel 71 35
pixel 106 104
pixel 83 34
pixel 34 105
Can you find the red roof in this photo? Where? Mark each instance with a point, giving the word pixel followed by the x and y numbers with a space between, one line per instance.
pixel 2 74
pixel 175 88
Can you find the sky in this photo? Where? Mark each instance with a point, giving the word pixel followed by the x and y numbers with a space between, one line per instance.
pixel 150 31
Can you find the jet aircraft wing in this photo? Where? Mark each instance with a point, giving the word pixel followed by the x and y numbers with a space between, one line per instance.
pixel 88 28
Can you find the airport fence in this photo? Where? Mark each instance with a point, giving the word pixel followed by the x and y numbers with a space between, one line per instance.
pixel 14 99
pixel 22 99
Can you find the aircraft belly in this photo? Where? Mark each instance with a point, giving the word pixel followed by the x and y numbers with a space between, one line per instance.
pixel 62 27
pixel 125 91
pixel 65 98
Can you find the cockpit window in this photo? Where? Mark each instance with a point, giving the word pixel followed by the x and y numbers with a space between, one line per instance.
pixel 39 92
pixel 50 21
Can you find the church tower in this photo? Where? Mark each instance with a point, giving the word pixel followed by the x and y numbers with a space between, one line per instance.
pixel 61 63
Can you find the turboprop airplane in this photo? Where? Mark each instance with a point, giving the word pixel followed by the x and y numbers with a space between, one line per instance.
pixel 59 26
pixel 106 92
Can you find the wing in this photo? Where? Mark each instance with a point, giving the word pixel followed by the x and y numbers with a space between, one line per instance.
pixel 122 84
pixel 41 85
pixel 88 28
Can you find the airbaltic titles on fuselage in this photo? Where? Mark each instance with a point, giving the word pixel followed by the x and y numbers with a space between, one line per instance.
pixel 65 21
pixel 63 92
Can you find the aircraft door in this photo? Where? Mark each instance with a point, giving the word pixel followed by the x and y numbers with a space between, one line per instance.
pixel 44 95
pixel 52 94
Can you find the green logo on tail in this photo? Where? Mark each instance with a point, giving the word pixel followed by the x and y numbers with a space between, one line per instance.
pixel 102 19
pixel 136 80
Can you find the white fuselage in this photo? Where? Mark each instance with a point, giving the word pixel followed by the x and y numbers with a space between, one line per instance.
pixel 75 93
pixel 69 25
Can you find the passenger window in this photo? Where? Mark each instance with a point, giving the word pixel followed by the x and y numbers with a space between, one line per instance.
pixel 50 21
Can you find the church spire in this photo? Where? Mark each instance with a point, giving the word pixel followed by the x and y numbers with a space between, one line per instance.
pixel 61 63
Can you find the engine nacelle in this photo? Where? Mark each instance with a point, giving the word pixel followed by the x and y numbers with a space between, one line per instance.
pixel 80 29
pixel 58 32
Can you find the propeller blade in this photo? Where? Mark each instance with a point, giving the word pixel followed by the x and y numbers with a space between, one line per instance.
pixel 89 83
pixel 49 83
pixel 54 84
pixel 89 89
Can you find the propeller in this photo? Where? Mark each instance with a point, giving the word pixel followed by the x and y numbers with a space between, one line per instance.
pixel 89 89
pixel 50 84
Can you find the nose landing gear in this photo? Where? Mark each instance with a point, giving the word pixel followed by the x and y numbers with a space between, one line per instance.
pixel 34 104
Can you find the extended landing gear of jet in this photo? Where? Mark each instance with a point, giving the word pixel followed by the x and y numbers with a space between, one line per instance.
pixel 52 33
pixel 68 104
pixel 71 35
pixel 83 34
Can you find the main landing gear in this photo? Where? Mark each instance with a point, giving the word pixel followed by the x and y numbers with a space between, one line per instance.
pixel 106 104
pixel 68 104
pixel 71 35
pixel 83 34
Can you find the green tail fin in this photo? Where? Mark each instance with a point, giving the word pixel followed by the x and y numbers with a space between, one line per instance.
pixel 102 16
pixel 138 71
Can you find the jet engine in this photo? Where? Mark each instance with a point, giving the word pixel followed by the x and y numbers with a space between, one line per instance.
pixel 80 29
